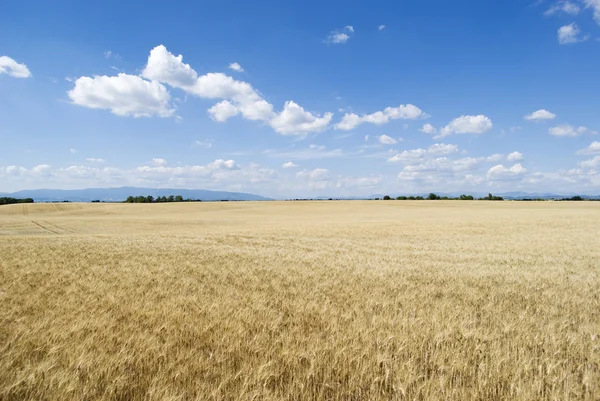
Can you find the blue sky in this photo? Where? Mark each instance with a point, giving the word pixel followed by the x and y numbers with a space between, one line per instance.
pixel 303 98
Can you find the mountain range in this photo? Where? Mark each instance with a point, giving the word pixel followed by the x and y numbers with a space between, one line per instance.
pixel 120 194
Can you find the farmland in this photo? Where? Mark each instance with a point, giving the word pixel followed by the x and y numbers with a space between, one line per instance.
pixel 300 300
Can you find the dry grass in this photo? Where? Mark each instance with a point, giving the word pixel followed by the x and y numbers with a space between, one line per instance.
pixel 321 301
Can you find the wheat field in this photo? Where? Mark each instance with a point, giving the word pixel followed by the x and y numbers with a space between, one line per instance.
pixel 373 300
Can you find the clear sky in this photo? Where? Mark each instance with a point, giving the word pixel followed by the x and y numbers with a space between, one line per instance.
pixel 301 98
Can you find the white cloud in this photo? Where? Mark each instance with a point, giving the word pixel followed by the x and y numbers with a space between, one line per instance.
pixel 294 120
pixel 238 97
pixel 313 174
pixel 381 27
pixel 408 156
pixel 236 67
pixel 499 172
pixel 387 140
pixel 442 149
pixel 415 155
pixel 515 157
pixel 443 165
pixel 494 158
pixel 72 151
pixel 123 95
pixel 289 165
pixel 223 111
pixel 12 68
pixel 591 164
pixel 15 170
pixel 564 6
pixel 41 169
pixel 467 125
pixel 316 179
pixel 337 38
pixel 593 149
pixel 159 162
pixel 221 164
pixel 595 5
pixel 366 138
pixel 203 144
pixel 568 34
pixel 428 129
pixel 405 112
pixel 94 160
pixel 340 36
pixel 170 69
pixel 540 115
pixel 567 130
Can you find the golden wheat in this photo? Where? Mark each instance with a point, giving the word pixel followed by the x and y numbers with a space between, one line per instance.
pixel 300 301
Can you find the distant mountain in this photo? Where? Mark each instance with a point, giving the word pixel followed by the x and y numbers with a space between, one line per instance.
pixel 120 194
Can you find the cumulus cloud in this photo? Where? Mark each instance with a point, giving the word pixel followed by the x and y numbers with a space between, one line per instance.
pixel 381 27
pixel 593 149
pixel 221 164
pixel 404 112
pixel 223 111
pixel 294 120
pixel 568 34
pixel 41 169
pixel 12 68
pixel 238 97
pixel 123 95
pixel 540 115
pixel 429 129
pixel 467 125
pixel 340 36
pixel 94 160
pixel 500 173
pixel 236 67
pixel 289 165
pixel 159 162
pixel 442 149
pixel 567 130
pixel 515 157
pixel 72 151
pixel 592 164
pixel 387 140
pixel 494 158
pixel 145 95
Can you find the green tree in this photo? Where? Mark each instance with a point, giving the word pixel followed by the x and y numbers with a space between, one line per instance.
pixel 178 198
pixel 387 197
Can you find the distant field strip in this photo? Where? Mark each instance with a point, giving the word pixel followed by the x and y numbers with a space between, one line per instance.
pixel 331 300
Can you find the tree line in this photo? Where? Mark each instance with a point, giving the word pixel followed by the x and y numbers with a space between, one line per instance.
pixel 158 199
pixel 433 196
pixel 10 201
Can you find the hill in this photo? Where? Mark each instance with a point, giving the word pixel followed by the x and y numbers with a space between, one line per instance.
pixel 120 194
